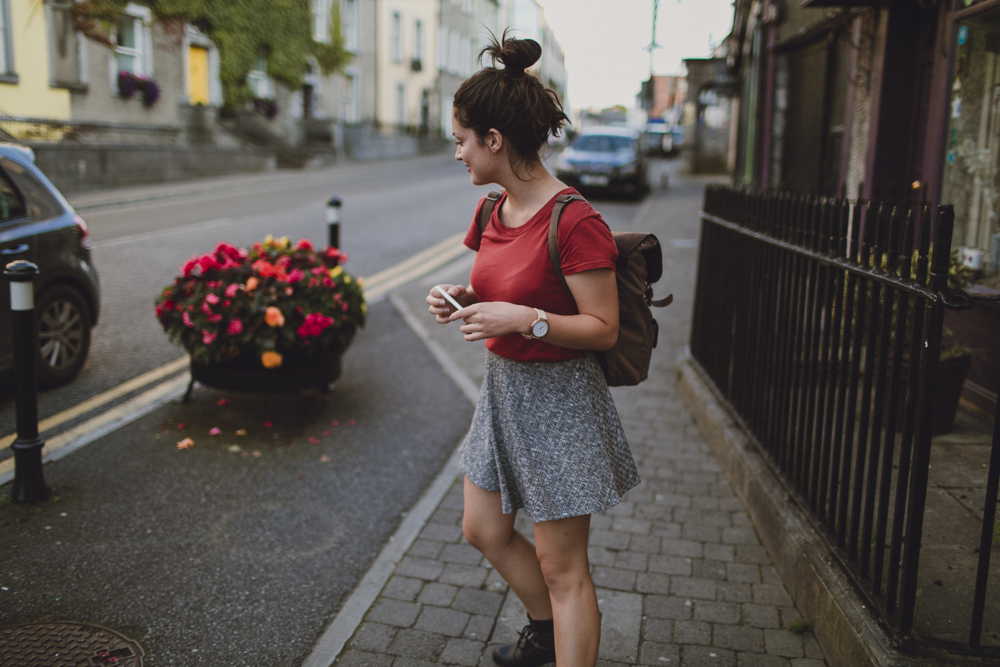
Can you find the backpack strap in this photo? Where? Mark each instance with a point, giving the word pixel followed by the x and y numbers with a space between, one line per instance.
pixel 557 210
pixel 487 210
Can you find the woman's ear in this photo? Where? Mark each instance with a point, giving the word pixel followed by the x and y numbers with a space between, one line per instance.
pixel 494 141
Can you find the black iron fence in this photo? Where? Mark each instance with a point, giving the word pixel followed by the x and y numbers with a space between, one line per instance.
pixel 820 322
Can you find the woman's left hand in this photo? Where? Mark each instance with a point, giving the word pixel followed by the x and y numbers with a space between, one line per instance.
pixel 490 319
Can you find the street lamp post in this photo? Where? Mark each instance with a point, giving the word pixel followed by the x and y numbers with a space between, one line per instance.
pixel 29 481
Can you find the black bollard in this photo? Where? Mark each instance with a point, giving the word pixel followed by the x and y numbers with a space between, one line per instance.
pixel 333 220
pixel 29 482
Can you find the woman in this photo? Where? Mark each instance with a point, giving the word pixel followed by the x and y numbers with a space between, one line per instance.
pixel 545 436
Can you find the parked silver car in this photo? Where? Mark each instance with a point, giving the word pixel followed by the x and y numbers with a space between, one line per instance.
pixel 604 158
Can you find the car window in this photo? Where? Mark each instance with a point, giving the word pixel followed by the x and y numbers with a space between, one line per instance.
pixel 11 204
pixel 40 203
pixel 602 143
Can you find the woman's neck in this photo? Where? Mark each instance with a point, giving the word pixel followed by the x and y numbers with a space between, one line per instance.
pixel 526 197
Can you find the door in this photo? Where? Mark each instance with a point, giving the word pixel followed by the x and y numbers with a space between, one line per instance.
pixel 198 75
pixel 15 243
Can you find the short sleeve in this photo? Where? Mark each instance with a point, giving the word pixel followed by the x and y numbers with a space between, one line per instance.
pixel 585 243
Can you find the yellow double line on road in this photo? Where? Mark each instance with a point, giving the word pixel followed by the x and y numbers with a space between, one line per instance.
pixel 376 286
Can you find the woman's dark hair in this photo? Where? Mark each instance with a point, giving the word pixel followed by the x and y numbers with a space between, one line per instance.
pixel 510 100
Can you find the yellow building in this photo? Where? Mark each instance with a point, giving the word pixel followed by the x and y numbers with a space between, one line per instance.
pixel 26 77
pixel 407 64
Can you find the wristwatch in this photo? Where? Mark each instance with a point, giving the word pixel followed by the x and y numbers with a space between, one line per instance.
pixel 539 327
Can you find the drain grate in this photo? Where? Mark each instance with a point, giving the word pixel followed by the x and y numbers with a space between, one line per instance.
pixel 66 645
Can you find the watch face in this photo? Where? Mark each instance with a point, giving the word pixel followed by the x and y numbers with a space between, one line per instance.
pixel 539 328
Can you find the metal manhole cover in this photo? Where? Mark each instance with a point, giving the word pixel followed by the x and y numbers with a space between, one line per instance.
pixel 66 645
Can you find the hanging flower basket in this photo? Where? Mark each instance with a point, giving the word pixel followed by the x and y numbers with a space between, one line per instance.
pixel 129 84
pixel 274 318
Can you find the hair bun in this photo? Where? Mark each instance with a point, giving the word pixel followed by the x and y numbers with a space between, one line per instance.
pixel 518 55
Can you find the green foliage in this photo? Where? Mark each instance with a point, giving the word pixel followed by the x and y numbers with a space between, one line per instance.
pixel 800 626
pixel 334 56
pixel 242 30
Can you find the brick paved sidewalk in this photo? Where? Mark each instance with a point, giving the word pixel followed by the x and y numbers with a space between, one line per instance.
pixel 681 576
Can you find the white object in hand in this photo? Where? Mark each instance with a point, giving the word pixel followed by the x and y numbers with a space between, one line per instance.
pixel 443 292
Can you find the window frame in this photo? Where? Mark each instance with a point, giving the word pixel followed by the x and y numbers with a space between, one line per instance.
pixel 258 73
pixel 7 72
pixel 79 83
pixel 350 22
pixel 396 43
pixel 418 40
pixel 143 52
pixel 321 10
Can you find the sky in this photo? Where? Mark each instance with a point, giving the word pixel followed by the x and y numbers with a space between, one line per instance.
pixel 604 41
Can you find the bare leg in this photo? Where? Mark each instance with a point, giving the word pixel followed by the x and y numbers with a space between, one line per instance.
pixel 561 546
pixel 491 531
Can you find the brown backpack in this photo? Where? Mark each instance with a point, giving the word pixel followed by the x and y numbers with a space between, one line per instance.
pixel 639 265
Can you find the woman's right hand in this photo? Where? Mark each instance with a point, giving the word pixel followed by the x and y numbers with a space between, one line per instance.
pixel 440 308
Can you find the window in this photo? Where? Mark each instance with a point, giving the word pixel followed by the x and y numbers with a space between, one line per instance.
pixel 38 202
pixel 465 68
pixel 321 21
pixel 349 99
pixel 442 48
pixel 400 105
pixel 418 40
pixel 11 205
pixel 397 37
pixel 6 46
pixel 350 24
pixel 258 81
pixel 129 44
pixel 64 46
pixel 454 51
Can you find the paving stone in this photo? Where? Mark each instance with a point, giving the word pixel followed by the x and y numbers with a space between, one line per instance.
pixel 621 624
pixel 394 612
pixel 355 658
pixel 437 594
pixel 739 536
pixel 749 574
pixel 692 632
pixel 645 544
pixel 652 582
pixel 659 630
pixel 655 512
pixel 668 606
pixel 417 644
pixel 704 656
pixel 448 622
pixel 447 517
pixel 462 652
pixel 628 560
pixel 479 627
pixel 811 647
pixel 699 533
pixel 425 548
pixel 788 615
pixel 729 591
pixel 769 575
pixel 706 503
pixel 761 615
pixel 738 637
pixel 442 532
pixel 404 661
pixel 678 565
pixel 671 531
pixel 685 548
pixel 693 588
pixel 600 521
pixel 609 539
pixel 716 612
pixel 783 643
pixel 808 662
pixel 477 601
pixel 453 501
pixel 761 660
pixel 740 520
pixel 463 575
pixel 402 588
pixel 630 525
pixel 373 637
pixel 624 508
pixel 494 582
pixel 708 569
pixel 657 653
pixel 672 500
pixel 751 553
pixel 421 568
pixel 601 556
pixel 769 594
pixel 721 552
pixel 612 577
pixel 461 553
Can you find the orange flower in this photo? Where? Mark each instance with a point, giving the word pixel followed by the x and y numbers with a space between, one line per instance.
pixel 273 317
pixel 252 283
pixel 270 359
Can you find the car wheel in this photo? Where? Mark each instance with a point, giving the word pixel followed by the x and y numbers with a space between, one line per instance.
pixel 62 324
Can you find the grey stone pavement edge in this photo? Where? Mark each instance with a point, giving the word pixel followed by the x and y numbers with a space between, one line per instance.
pixel 682 578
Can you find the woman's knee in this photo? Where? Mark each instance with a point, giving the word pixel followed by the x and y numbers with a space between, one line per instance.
pixel 564 572
pixel 486 536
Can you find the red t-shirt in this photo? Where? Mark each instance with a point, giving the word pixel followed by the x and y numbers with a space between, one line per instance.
pixel 513 265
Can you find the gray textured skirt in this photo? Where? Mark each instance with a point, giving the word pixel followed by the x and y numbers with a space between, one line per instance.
pixel 547 437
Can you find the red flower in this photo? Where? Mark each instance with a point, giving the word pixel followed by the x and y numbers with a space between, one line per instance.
pixel 207 337
pixel 314 325
pixel 168 305
pixel 187 319
pixel 188 266
pixel 212 299
pixel 235 327
pixel 296 275
pixel 232 290
pixel 208 263
pixel 304 244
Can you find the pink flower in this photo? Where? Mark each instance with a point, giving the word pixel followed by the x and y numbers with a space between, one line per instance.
pixel 207 337
pixel 188 266
pixel 304 244
pixel 207 263
pixel 295 275
pixel 235 327
pixel 318 270
pixel 314 325
pixel 215 431
pixel 232 290
pixel 187 319
pixel 212 299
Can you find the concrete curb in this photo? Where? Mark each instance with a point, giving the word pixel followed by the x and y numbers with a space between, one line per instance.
pixel 846 632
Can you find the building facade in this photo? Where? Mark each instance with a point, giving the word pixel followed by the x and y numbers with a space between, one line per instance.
pixel 465 29
pixel 31 84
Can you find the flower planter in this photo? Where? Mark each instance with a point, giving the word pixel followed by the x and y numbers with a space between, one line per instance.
pixel 314 372
pixel 947 390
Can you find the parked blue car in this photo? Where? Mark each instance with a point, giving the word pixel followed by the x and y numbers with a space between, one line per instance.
pixel 606 158
pixel 38 224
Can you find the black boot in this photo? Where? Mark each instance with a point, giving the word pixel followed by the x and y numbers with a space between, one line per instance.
pixel 535 647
